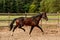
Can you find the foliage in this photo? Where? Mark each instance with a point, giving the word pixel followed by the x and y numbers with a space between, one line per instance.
pixel 29 6
pixel 50 5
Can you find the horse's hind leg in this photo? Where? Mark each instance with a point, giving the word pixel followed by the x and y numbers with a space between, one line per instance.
pixel 15 28
pixel 22 28
pixel 11 26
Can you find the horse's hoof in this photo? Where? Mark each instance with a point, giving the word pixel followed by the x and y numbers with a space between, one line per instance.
pixel 24 30
pixel 30 35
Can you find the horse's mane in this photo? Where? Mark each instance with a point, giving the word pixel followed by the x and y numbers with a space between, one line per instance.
pixel 36 15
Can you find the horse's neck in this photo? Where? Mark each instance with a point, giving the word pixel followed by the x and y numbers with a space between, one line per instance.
pixel 39 17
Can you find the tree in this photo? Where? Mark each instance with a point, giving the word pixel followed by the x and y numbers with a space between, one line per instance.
pixel 49 5
pixel 34 7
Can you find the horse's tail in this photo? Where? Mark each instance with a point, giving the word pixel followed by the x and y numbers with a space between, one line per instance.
pixel 11 25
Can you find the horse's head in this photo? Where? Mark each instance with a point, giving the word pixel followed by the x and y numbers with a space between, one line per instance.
pixel 44 16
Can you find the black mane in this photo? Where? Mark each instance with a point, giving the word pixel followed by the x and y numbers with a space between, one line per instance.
pixel 36 15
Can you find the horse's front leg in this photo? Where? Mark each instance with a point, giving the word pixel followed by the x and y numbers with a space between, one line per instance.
pixel 40 28
pixel 31 29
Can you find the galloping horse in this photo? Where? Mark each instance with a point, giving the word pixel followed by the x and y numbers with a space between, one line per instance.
pixel 30 21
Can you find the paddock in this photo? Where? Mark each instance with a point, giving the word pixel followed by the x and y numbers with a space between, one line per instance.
pixel 51 29
pixel 50 33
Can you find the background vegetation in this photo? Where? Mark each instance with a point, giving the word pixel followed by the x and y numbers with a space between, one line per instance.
pixel 29 6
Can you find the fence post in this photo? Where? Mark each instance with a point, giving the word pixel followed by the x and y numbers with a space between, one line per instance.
pixel 8 18
pixel 58 18
pixel 25 14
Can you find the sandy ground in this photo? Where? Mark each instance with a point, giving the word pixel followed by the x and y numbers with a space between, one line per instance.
pixel 51 33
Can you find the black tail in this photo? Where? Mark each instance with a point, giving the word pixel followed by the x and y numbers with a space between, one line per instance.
pixel 11 25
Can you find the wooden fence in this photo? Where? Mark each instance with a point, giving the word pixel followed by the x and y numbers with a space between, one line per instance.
pixel 54 18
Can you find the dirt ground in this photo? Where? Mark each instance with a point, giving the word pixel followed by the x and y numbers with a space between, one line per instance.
pixel 50 33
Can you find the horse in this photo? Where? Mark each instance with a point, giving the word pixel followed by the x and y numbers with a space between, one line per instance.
pixel 28 21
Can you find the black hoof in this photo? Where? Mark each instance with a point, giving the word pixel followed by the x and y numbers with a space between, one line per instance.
pixel 24 30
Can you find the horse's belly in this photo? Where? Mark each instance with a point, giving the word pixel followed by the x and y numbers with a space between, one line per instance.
pixel 30 23
pixel 27 23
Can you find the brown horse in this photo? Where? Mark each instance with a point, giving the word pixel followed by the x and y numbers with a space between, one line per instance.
pixel 31 21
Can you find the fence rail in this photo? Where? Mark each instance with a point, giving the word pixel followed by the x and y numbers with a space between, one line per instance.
pixel 16 14
pixel 53 18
